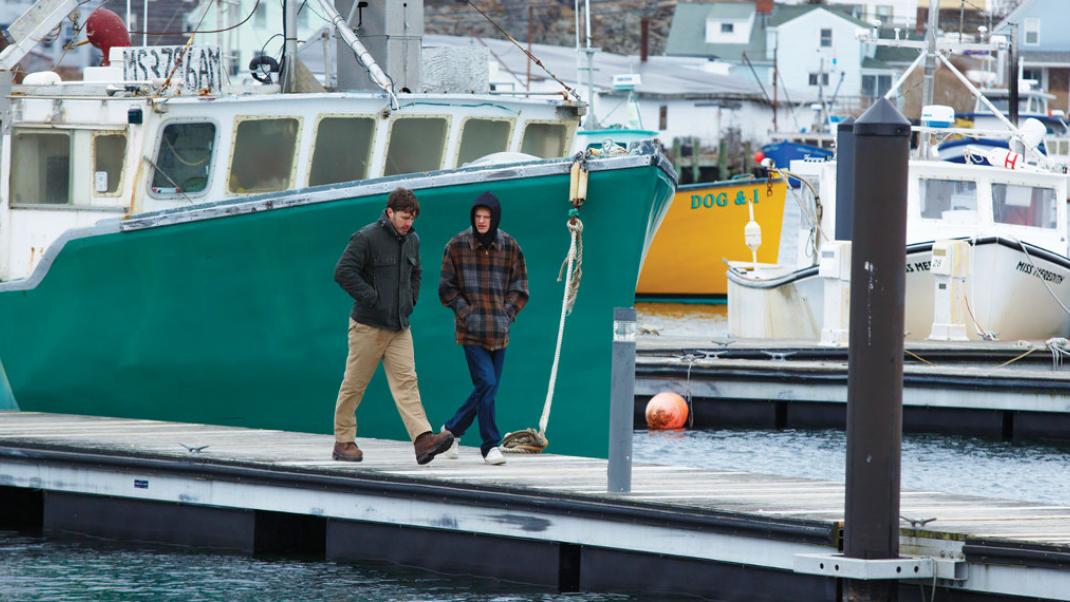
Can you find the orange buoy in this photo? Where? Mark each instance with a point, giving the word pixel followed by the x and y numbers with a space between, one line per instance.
pixel 666 410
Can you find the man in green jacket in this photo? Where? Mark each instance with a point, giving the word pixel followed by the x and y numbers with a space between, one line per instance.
pixel 380 269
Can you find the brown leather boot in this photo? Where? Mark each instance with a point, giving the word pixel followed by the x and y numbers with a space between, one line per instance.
pixel 428 445
pixel 347 452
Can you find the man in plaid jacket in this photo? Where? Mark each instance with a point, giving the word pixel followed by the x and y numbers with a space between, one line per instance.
pixel 485 282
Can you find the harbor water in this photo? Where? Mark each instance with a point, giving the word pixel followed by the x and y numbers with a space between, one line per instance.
pixel 35 568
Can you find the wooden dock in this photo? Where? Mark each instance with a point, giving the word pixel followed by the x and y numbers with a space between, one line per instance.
pixel 1010 390
pixel 541 519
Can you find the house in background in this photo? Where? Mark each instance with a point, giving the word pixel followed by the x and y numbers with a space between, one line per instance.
pixel 260 35
pixel 889 13
pixel 1042 31
pixel 806 53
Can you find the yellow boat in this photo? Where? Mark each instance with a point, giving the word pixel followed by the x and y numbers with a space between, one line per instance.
pixel 704 225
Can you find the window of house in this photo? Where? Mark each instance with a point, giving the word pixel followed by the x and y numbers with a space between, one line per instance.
pixel 1024 205
pixel 944 199
pixel 40 168
pixel 663 117
pixel 826 38
pixel 342 151
pixel 728 27
pixel 884 14
pixel 876 85
pixel 263 155
pixel 184 158
pixel 481 137
pixel 822 77
pixel 1032 31
pixel 416 144
pixel 545 140
pixel 109 151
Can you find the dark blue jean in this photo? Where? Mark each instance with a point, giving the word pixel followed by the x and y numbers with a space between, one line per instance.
pixel 486 369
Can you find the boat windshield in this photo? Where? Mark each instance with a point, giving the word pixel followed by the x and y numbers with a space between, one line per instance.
pixel 951 200
pixel 1024 206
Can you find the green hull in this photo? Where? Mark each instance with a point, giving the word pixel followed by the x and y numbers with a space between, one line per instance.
pixel 236 320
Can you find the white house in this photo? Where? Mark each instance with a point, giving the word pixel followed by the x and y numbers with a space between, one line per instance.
pixel 1042 30
pixel 890 13
pixel 797 53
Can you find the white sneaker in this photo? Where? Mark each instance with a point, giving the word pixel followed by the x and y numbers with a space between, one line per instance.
pixel 454 451
pixel 494 457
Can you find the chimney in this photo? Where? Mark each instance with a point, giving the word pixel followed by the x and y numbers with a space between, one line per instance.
pixel 644 38
pixel 763 7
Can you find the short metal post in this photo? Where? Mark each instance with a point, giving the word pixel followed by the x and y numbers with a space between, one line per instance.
pixel 622 401
pixel 875 355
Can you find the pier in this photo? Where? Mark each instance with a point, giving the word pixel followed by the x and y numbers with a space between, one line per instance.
pixel 540 519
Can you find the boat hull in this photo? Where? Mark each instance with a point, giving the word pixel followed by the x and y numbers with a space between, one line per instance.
pixel 1012 295
pixel 228 314
pixel 704 226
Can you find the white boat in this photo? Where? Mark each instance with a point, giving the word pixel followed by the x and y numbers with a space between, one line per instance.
pixel 986 254
pixel 1013 220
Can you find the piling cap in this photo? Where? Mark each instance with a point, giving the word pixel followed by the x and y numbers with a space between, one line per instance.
pixel 882 119
pixel 847 125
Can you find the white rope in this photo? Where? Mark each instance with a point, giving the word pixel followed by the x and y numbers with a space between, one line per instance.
pixel 575 227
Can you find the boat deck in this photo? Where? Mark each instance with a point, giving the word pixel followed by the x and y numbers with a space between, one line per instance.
pixel 103 469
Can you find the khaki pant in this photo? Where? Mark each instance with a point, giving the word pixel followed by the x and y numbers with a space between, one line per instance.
pixel 368 346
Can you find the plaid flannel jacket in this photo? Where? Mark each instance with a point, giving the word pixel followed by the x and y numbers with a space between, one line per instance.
pixel 484 286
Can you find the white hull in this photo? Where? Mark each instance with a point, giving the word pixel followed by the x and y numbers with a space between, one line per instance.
pixel 1011 294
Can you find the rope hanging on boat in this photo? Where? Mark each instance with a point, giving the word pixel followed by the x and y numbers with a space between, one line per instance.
pixel 533 441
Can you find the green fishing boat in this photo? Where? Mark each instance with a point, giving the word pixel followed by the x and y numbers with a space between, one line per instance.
pixel 226 313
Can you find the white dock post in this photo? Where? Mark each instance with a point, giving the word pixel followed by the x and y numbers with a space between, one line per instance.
pixel 835 269
pixel 950 268
pixel 622 401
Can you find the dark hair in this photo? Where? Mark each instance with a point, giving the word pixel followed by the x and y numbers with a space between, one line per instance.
pixel 403 199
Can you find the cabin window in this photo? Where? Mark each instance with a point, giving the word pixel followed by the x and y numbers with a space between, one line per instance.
pixel 109 151
pixel 544 140
pixel 1032 32
pixel 184 158
pixel 263 155
pixel 1024 205
pixel 948 199
pixel 343 150
pixel 482 137
pixel 416 144
pixel 40 168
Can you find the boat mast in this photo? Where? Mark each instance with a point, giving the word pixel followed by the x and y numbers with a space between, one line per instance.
pixel 592 120
pixel 290 41
pixel 930 67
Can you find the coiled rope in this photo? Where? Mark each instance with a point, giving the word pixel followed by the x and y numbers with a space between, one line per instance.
pixel 530 441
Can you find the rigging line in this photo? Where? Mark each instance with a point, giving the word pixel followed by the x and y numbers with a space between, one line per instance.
pixel 198 29
pixel 530 56
pixel 757 79
pixel 794 116
pixel 74 33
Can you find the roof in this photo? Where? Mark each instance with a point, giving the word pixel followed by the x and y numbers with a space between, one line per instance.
pixel 661 76
pixel 1037 56
pixel 687 34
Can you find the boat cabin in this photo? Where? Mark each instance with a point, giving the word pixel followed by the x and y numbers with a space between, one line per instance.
pixel 78 153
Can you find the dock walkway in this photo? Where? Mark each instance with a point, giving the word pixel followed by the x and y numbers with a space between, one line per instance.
pixel 542 519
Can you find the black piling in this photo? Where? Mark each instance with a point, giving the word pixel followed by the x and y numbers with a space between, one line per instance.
pixel 875 356
pixel 845 174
